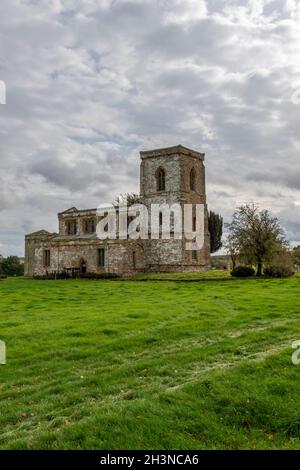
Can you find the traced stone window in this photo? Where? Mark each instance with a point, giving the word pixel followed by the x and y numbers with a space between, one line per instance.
pixel 46 258
pixel 89 226
pixel 192 179
pixel 72 227
pixel 161 179
pixel 194 255
pixel 101 257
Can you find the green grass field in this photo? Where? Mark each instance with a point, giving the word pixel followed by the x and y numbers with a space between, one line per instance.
pixel 213 274
pixel 149 365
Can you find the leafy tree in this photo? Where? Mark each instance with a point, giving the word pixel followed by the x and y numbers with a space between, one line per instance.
pixel 215 226
pixel 12 266
pixel 257 235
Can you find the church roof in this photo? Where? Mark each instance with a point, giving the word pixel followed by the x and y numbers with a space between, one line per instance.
pixel 41 233
pixel 71 209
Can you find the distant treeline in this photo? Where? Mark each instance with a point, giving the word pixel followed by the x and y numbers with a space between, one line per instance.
pixel 11 266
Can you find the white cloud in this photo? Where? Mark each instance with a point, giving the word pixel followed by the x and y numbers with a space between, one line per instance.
pixel 90 82
pixel 183 11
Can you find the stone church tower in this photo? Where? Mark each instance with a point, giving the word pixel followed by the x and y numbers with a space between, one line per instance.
pixel 174 175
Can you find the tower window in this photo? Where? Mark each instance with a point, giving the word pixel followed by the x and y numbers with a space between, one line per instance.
pixel 46 258
pixel 161 179
pixel 192 180
pixel 101 257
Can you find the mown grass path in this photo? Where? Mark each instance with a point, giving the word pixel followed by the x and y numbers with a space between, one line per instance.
pixel 122 365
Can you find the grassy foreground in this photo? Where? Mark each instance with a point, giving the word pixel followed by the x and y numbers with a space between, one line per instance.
pixel 122 365
pixel 212 274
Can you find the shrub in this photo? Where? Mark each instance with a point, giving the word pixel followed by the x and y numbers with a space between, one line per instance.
pixel 279 271
pixel 281 266
pixel 63 275
pixel 243 271
pixel 3 276
pixel 50 276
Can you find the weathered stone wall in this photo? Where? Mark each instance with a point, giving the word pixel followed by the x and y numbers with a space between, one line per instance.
pixel 149 166
pixel 168 255
pixel 77 216
pixel 68 253
pixel 33 250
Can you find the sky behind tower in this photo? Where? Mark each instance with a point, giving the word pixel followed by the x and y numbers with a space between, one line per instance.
pixel 90 83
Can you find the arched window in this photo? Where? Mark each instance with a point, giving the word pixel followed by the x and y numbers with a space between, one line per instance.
pixel 161 179
pixel 192 180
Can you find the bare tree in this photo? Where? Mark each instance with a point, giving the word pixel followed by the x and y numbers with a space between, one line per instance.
pixel 232 249
pixel 257 235
pixel 129 198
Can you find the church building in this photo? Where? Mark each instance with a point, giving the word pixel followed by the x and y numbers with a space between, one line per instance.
pixel 167 176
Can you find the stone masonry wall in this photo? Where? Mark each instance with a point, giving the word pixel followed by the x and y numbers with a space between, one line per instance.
pixel 171 255
pixel 119 256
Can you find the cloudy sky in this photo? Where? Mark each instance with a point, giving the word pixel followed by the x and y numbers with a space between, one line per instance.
pixel 92 82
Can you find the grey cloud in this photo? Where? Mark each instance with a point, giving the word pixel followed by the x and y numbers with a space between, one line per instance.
pixel 281 176
pixel 92 84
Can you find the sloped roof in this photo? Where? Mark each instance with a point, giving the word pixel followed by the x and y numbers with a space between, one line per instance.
pixel 71 209
pixel 41 233
pixel 74 210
